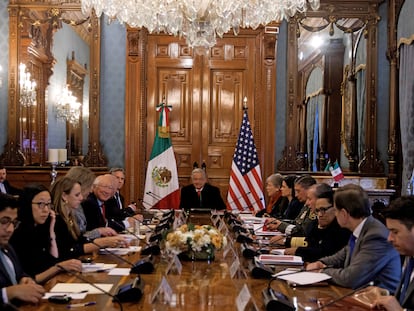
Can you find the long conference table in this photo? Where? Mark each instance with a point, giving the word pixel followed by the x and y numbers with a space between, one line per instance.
pixel 201 285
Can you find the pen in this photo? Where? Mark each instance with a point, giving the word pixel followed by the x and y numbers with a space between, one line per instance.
pixel 77 305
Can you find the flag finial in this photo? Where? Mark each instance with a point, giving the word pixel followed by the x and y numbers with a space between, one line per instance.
pixel 245 103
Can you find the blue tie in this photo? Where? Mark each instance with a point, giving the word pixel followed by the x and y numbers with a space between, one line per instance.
pixel 352 240
pixel 7 265
pixel 406 281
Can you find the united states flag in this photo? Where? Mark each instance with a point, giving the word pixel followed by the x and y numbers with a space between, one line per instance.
pixel 246 186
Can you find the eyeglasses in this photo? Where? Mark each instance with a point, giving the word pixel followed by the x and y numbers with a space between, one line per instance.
pixel 43 205
pixel 322 210
pixel 106 187
pixel 6 221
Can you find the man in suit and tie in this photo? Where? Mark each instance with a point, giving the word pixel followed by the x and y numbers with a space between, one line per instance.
pixel 117 213
pixel 400 221
pixel 200 194
pixel 15 285
pixel 5 186
pixel 368 256
pixel 94 207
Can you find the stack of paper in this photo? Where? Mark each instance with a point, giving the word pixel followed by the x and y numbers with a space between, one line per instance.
pixel 302 277
pixel 120 250
pixel 269 259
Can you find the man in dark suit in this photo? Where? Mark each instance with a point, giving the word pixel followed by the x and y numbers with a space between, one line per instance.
pixel 400 221
pixel 200 194
pixel 5 186
pixel 15 285
pixel 368 256
pixel 95 208
pixel 117 213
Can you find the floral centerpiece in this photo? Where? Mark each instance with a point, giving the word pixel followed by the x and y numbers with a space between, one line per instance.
pixel 195 241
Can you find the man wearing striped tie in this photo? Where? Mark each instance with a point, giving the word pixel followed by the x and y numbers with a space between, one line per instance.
pixel 15 285
pixel 400 221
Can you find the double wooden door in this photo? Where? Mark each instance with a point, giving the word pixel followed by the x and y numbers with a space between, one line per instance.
pixel 206 89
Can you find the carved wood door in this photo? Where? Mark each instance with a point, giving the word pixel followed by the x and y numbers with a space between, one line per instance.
pixel 206 91
pixel 206 94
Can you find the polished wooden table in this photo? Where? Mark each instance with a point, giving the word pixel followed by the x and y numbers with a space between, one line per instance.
pixel 201 286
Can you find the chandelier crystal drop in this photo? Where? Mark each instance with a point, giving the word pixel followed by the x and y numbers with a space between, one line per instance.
pixel 27 88
pixel 67 107
pixel 198 21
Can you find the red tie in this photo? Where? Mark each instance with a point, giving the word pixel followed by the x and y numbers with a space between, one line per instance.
pixel 103 211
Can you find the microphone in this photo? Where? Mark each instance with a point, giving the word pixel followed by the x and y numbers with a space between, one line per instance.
pixel 85 280
pixel 153 195
pixel 344 296
pixel 142 266
pixel 239 197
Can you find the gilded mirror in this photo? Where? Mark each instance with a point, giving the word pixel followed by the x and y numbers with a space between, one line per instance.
pixel 331 109
pixel 32 33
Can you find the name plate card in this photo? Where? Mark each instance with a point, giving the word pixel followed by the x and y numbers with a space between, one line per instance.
pixel 164 290
pixel 235 266
pixel 243 299
pixel 215 220
pixel 174 265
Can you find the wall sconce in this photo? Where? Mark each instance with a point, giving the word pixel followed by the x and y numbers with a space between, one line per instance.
pixel 27 87
pixel 67 107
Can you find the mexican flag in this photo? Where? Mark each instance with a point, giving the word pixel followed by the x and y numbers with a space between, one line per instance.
pixel 161 184
pixel 336 172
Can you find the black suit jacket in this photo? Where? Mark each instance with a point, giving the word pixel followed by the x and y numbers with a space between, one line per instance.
pixel 4 276
pixel 116 214
pixel 210 198
pixel 10 189
pixel 93 213
pixel 408 302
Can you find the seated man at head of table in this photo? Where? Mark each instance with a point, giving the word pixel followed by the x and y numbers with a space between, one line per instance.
pixel 15 285
pixel 368 256
pixel 200 194
pixel 399 218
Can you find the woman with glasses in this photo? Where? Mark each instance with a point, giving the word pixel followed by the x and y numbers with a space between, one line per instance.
pixel 34 239
pixel 67 196
pixel 328 237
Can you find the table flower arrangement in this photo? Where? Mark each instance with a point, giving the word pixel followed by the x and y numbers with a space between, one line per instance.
pixel 194 242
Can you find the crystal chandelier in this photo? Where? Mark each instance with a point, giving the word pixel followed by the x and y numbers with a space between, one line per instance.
pixel 27 87
pixel 67 107
pixel 198 21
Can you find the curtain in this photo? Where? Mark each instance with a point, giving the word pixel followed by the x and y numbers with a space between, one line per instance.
pixel 406 99
pixel 361 110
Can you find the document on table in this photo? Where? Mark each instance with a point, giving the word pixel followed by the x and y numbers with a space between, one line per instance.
pixel 120 250
pixel 302 277
pixel 97 267
pixel 258 230
pixel 80 287
pixel 120 271
pixel 269 259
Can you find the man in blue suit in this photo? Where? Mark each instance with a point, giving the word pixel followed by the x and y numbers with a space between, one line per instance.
pixel 400 221
pixel 368 256
pixel 15 285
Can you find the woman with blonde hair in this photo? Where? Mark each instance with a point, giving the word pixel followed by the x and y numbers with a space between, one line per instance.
pixel 67 196
pixel 85 177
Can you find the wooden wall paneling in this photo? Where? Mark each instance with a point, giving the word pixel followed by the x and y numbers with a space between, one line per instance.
pixel 135 113
pixel 206 91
